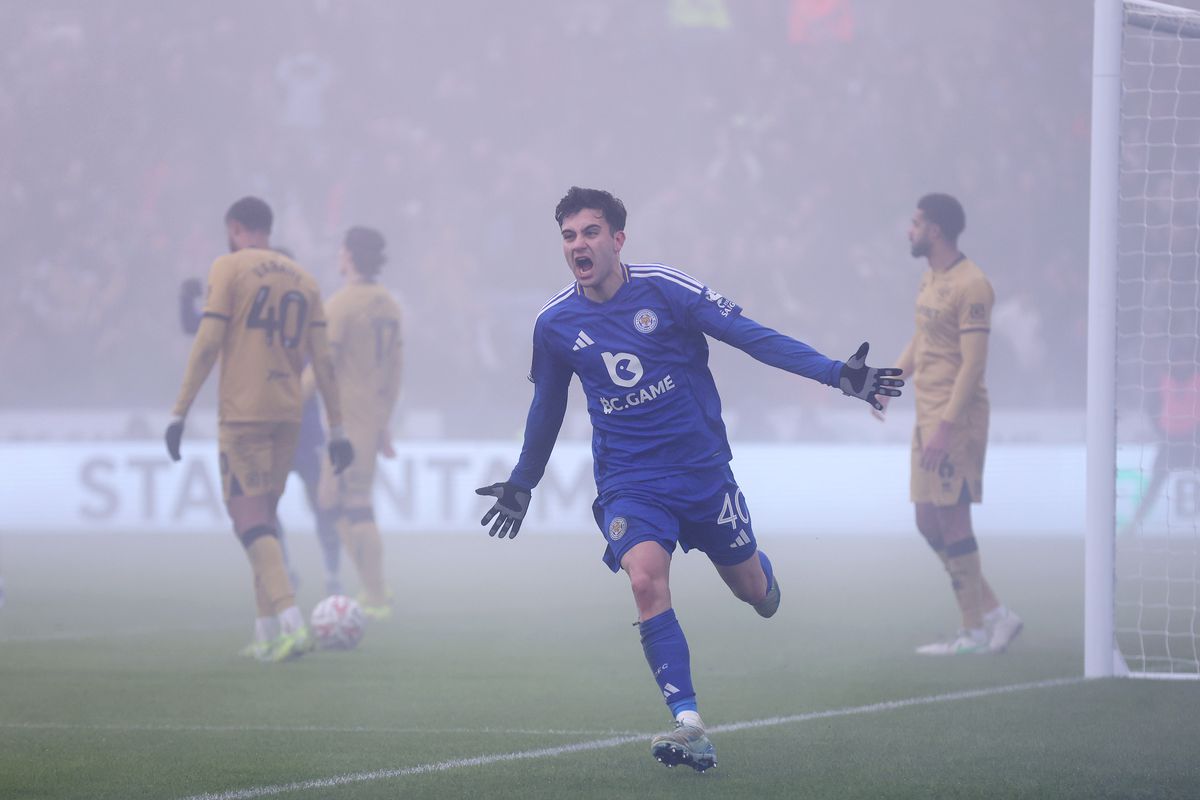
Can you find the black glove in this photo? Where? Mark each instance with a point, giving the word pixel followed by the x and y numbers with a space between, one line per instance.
pixel 859 380
pixel 189 317
pixel 509 509
pixel 173 435
pixel 190 289
pixel 341 454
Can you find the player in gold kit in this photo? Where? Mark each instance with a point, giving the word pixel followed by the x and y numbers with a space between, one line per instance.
pixel 947 358
pixel 263 318
pixel 364 335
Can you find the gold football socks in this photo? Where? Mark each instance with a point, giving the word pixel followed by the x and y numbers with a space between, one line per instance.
pixel 362 541
pixel 271 583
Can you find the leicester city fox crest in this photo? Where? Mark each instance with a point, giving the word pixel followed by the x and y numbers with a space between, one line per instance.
pixel 645 321
pixel 617 528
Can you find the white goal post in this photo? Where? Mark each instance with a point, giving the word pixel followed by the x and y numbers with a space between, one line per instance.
pixel 1142 553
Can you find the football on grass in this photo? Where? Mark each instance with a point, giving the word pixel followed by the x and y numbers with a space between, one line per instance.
pixel 337 622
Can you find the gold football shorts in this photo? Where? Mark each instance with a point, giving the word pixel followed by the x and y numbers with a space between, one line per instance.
pixel 256 456
pixel 960 475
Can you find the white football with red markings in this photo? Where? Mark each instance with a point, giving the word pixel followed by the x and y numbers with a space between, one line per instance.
pixel 338 622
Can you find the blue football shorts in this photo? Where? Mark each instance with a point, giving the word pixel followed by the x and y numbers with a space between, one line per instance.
pixel 704 510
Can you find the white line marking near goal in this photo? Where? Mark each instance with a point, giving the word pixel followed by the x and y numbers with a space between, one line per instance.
pixel 617 741
pixel 1164 676
pixel 892 705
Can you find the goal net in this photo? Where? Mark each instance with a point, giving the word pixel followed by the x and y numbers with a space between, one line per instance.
pixel 1156 594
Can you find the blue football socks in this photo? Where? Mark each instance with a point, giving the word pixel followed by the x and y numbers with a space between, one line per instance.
pixel 667 654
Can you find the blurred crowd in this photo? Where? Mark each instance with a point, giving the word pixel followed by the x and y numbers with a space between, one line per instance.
pixel 774 149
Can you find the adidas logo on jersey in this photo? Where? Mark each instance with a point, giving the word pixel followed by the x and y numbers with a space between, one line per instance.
pixel 741 540
pixel 582 341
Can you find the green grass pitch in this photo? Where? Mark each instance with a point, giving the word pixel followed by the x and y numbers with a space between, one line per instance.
pixel 118 679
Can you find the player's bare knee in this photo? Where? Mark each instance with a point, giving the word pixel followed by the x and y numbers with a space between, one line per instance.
pixel 927 521
pixel 645 584
pixel 954 522
pixel 651 590
pixel 248 512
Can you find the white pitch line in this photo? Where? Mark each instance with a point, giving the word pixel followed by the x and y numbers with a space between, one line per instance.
pixel 617 741
pixel 892 705
pixel 169 728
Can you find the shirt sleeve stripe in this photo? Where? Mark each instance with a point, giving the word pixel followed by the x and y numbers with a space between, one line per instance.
pixel 664 269
pixel 974 330
pixel 215 315
pixel 562 295
pixel 691 287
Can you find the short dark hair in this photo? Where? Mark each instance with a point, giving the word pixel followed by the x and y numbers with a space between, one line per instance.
pixel 578 198
pixel 365 246
pixel 945 212
pixel 252 214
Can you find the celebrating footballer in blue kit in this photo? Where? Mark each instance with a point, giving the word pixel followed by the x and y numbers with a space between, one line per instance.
pixel 636 337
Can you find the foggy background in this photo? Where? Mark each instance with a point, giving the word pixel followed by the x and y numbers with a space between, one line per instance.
pixel 774 149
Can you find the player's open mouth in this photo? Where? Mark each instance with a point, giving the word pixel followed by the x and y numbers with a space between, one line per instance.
pixel 583 264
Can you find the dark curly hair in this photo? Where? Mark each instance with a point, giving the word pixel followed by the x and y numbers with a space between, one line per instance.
pixel 365 246
pixel 252 214
pixel 945 212
pixel 579 198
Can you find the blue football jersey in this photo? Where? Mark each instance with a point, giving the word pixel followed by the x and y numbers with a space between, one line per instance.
pixel 642 359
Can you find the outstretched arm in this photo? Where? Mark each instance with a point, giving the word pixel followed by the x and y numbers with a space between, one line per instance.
pixel 542 424
pixel 551 380
pixel 774 348
pixel 853 376
pixel 541 431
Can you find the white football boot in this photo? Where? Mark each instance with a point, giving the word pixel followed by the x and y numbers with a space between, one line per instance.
pixel 961 644
pixel 1002 629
